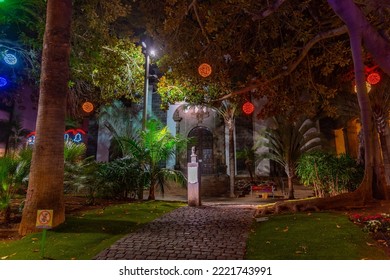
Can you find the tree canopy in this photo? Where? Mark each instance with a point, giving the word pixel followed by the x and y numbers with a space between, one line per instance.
pixel 291 56
pixel 296 53
pixel 106 63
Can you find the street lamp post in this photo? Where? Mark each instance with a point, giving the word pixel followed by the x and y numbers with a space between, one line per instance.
pixel 147 52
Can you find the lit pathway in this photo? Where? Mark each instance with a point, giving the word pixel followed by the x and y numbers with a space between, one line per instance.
pixel 188 233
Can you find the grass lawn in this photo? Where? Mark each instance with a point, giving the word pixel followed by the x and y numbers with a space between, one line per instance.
pixel 314 236
pixel 84 235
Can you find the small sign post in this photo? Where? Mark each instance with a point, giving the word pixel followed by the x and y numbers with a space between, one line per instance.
pixel 44 221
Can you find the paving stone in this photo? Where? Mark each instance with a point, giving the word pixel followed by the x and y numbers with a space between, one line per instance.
pixel 206 232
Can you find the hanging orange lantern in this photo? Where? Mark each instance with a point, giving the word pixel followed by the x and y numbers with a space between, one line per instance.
pixel 373 78
pixel 204 70
pixel 248 108
pixel 87 107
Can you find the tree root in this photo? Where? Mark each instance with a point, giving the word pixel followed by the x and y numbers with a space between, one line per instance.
pixel 344 201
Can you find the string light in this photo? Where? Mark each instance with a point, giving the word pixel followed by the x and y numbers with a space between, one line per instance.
pixel 87 107
pixel 3 82
pixel 373 78
pixel 204 70
pixel 74 135
pixel 10 59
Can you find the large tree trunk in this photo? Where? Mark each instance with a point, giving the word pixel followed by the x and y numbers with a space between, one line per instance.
pixel 380 186
pixel 46 190
pixel 365 112
pixel 386 165
pixel 375 43
pixel 360 31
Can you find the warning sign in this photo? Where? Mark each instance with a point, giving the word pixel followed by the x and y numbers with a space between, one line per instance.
pixel 44 219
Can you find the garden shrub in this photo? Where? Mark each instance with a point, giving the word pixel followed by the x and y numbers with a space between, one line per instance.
pixel 329 174
pixel 14 171
pixel 122 178
pixel 116 179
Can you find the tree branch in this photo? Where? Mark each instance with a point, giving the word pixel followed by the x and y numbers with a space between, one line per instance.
pixel 267 12
pixel 193 6
pixel 319 37
pixel 324 35
pixel 354 18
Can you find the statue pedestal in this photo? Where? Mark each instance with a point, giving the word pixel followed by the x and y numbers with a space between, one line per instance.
pixel 193 184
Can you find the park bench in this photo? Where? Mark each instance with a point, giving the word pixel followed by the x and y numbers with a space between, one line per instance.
pixel 263 189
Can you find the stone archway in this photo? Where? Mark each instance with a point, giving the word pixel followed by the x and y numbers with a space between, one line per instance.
pixel 205 125
pixel 202 139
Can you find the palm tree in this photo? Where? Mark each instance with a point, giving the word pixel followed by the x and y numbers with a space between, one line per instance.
pixel 154 146
pixel 228 111
pixel 119 119
pixel 45 190
pixel 286 143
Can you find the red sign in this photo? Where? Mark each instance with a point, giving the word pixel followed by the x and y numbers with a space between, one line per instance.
pixel 44 219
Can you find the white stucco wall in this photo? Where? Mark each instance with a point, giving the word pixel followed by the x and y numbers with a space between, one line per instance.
pixel 262 168
pixel 171 124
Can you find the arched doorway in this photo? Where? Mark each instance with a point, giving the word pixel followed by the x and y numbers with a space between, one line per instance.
pixel 202 139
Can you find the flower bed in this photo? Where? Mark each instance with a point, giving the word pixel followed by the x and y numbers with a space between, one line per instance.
pixel 373 223
pixel 378 225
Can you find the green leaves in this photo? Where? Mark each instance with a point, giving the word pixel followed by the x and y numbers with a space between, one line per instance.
pixel 328 173
pixel 13 173
pixel 288 141
pixel 153 146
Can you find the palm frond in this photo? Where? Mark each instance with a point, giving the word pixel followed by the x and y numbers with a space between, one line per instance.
pixel 286 142
pixel 74 152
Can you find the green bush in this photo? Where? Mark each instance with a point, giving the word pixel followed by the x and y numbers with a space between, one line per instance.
pixel 329 174
pixel 117 179
pixel 14 171
pixel 122 178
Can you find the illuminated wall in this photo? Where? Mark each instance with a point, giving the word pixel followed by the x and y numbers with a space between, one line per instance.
pixel 347 139
pixel 339 141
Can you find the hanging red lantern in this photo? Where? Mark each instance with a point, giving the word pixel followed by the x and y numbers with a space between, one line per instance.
pixel 248 108
pixel 87 107
pixel 204 70
pixel 373 78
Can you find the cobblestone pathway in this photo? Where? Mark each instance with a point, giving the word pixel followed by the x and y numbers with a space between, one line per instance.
pixel 188 233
